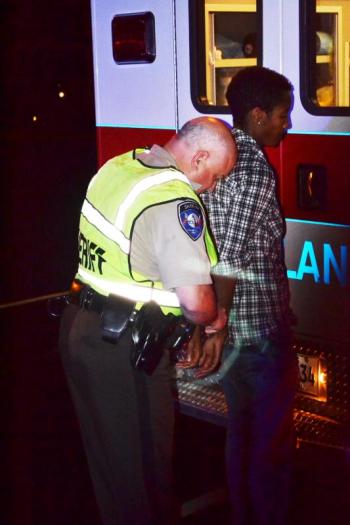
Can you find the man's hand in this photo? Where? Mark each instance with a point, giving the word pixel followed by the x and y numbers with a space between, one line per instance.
pixel 211 353
pixel 219 323
pixel 205 355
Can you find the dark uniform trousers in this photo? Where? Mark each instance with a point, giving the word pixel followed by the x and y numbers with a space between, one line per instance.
pixel 126 419
pixel 260 388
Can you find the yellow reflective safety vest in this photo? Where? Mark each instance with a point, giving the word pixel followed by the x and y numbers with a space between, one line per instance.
pixel 121 190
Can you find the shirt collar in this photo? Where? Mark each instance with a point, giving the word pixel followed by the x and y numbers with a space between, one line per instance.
pixel 157 157
pixel 241 136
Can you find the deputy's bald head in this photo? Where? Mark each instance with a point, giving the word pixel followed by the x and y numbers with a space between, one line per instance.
pixel 204 150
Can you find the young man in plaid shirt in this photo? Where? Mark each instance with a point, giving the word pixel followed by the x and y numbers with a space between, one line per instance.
pixel 245 218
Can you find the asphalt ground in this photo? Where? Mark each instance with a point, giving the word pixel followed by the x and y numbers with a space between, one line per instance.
pixel 44 478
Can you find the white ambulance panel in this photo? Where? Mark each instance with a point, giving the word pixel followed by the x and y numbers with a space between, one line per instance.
pixel 134 95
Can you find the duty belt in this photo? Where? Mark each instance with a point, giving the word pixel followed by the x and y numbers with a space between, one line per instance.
pixel 151 329
pixel 117 313
pixel 87 298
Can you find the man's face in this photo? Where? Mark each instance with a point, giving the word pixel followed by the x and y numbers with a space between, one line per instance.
pixel 274 125
pixel 217 165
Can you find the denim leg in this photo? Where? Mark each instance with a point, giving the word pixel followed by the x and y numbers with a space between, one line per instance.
pixel 260 389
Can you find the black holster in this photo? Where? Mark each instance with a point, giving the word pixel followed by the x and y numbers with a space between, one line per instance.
pixel 153 332
pixel 150 332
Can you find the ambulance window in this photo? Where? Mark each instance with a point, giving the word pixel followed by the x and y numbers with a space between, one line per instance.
pixel 325 56
pixel 133 38
pixel 226 36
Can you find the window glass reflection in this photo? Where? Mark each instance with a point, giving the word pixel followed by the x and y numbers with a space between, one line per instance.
pixel 331 55
pixel 230 41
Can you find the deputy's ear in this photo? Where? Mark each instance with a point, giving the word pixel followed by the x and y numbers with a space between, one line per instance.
pixel 199 157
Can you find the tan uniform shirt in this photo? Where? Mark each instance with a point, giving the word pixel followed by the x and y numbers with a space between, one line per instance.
pixel 160 247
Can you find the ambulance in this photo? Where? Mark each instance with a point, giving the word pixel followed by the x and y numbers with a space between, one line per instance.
pixel 159 63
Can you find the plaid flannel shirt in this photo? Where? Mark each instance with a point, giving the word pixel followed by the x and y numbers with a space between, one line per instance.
pixel 248 227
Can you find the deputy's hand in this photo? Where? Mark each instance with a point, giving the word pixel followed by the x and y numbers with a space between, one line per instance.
pixel 193 351
pixel 219 323
pixel 211 353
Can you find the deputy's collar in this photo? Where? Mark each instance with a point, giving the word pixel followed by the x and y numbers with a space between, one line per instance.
pixel 156 157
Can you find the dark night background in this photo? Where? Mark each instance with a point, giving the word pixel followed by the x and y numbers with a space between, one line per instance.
pixel 46 165
pixel 45 50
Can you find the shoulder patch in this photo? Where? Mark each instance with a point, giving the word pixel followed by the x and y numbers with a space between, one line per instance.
pixel 191 218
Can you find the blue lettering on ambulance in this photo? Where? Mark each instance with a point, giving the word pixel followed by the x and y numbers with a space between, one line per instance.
pixel 329 259
pixel 308 264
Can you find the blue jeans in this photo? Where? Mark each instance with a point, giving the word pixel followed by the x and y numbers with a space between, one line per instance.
pixel 260 387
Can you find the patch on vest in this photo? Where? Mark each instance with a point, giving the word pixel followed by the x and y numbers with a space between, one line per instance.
pixel 191 218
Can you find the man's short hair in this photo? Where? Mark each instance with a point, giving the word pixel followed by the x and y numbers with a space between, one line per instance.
pixel 255 87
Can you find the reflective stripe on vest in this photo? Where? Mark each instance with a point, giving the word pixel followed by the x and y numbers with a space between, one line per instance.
pixel 132 291
pixel 108 229
pixel 114 232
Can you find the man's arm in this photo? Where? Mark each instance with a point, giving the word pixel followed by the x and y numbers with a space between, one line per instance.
pixel 224 288
pixel 199 305
pixel 213 346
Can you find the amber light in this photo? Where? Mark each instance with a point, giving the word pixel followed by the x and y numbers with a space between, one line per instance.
pixel 322 378
pixel 76 286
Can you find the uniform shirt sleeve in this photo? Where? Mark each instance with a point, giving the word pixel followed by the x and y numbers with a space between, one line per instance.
pixel 163 251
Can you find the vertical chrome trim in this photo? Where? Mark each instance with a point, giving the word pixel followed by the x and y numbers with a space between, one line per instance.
pixel 281 35
pixel 175 65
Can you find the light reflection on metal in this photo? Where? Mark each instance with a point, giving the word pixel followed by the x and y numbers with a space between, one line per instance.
pixel 309 184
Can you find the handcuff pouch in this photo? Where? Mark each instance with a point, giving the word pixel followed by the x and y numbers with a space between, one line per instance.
pixel 116 315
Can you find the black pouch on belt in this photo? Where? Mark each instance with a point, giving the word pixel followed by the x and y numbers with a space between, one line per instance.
pixel 116 315
pixel 150 332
